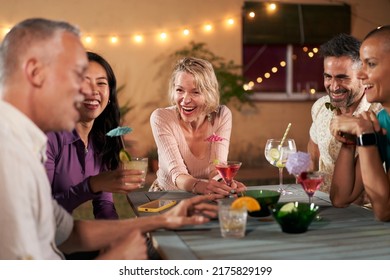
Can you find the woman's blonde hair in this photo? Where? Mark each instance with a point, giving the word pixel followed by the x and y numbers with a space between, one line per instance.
pixel 205 81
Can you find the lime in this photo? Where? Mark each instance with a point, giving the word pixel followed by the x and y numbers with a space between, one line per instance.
pixel 124 156
pixel 287 209
pixel 274 154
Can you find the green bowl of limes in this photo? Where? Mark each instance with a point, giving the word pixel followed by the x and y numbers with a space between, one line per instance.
pixel 266 198
pixel 294 217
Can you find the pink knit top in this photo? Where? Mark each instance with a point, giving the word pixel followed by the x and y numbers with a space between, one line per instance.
pixel 175 157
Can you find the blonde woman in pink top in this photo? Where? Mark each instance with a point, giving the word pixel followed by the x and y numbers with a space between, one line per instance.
pixel 183 131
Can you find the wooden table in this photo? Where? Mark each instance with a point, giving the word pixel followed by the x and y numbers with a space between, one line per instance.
pixel 347 233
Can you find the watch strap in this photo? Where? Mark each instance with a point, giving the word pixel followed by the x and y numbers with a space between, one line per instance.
pixel 366 139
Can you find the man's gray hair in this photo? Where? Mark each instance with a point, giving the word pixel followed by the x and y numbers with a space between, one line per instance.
pixel 23 35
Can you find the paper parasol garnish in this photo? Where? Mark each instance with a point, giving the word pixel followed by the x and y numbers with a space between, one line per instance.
pixel 214 138
pixel 119 131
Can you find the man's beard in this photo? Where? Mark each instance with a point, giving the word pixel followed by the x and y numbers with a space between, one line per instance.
pixel 344 103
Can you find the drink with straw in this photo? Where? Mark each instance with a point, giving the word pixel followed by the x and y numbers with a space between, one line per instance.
pixel 277 152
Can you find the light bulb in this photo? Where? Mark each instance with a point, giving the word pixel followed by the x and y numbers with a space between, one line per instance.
pixel 138 38
pixel 114 39
pixel 186 32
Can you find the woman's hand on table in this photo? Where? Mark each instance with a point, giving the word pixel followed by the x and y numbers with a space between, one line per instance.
pixel 221 190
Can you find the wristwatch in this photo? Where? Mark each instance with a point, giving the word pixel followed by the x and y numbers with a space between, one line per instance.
pixel 366 139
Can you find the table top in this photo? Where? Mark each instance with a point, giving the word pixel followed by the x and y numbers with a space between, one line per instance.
pixel 342 233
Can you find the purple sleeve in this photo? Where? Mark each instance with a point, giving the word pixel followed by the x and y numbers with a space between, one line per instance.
pixel 103 207
pixel 69 184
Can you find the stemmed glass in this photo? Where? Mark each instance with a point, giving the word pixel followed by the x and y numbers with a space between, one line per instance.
pixel 276 152
pixel 228 170
pixel 310 182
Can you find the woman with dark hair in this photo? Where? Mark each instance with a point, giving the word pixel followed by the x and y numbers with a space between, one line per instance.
pixel 83 165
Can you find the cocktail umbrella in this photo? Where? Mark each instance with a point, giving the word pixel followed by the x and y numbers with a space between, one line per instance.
pixel 214 138
pixel 119 131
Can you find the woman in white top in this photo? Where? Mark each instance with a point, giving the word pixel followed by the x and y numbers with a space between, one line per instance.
pixel 194 133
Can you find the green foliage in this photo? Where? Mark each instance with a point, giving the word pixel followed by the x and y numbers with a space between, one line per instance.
pixel 228 73
pixel 125 108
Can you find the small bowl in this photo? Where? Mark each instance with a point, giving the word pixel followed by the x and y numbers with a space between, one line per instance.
pixel 266 198
pixel 297 219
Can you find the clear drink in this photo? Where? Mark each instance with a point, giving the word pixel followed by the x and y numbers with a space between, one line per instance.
pixel 232 222
pixel 138 164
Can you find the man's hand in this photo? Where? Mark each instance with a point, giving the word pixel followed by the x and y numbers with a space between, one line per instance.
pixel 192 211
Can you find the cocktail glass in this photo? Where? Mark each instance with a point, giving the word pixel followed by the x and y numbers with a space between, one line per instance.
pixel 138 163
pixel 228 170
pixel 277 154
pixel 310 182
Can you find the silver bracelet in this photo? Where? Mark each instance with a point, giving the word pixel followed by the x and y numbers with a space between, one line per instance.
pixel 194 186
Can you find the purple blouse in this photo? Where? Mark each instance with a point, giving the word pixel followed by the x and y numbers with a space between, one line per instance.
pixel 69 167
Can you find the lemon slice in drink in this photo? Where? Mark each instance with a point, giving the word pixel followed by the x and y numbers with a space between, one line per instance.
pixel 274 154
pixel 248 202
pixel 124 156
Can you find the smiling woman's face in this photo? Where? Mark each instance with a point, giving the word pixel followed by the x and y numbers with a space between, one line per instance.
pixel 375 71
pixel 95 103
pixel 190 102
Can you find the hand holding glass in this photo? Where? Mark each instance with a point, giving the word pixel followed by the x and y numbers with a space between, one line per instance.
pixel 228 170
pixel 138 164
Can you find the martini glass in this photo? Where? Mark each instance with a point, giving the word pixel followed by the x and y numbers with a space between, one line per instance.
pixel 310 181
pixel 228 170
pixel 277 154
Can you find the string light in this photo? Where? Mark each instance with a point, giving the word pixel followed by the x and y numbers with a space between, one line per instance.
pixel 267 75
pixel 271 8
pixel 6 30
pixel 92 37
pixel 138 38
pixel 163 36
pixel 283 63
pixel 186 32
pixel 114 39
pixel 230 21
pixel 251 14
pixel 88 39
pixel 208 27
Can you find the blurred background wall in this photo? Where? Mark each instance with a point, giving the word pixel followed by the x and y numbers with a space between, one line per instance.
pixel 138 65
